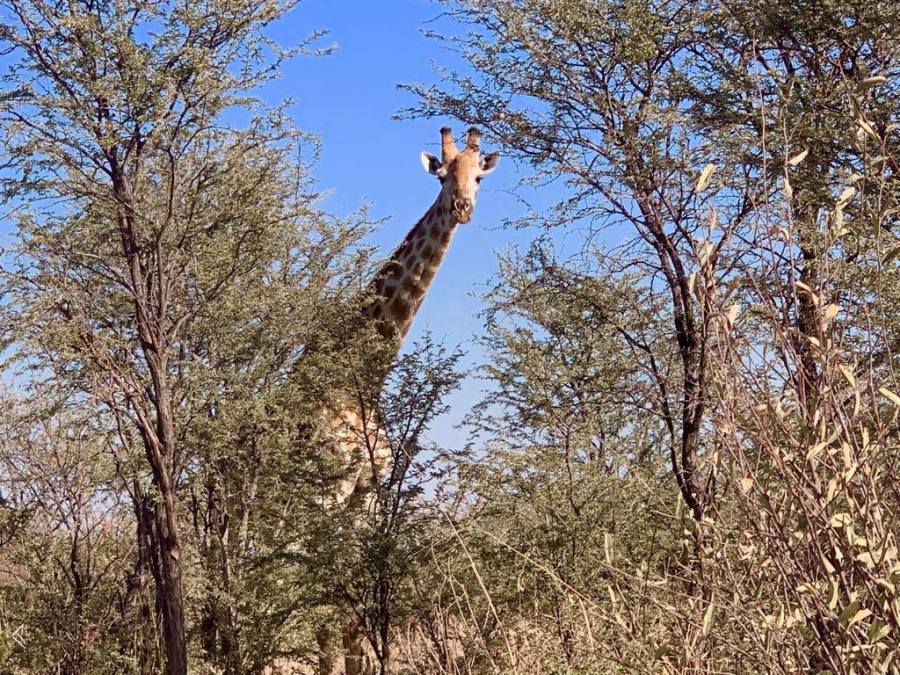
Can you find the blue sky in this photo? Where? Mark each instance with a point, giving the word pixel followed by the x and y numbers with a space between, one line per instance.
pixel 348 98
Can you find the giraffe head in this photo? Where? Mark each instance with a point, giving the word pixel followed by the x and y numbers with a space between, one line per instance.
pixel 460 172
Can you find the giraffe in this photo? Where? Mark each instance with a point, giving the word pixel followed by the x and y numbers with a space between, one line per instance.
pixel 397 291
pixel 402 283
pixel 399 287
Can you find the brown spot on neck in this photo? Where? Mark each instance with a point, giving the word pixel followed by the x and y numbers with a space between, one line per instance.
pixel 404 280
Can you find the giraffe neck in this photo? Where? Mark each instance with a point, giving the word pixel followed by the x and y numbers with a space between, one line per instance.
pixel 401 285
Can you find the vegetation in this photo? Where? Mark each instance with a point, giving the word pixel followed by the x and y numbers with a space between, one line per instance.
pixel 687 459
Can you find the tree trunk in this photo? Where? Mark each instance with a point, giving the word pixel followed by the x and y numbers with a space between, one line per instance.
pixel 165 565
pixel 221 636
pixel 170 583
pixel 354 654
pixel 147 648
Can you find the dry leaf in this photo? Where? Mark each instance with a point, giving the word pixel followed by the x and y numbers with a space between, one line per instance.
pixel 846 196
pixel 799 157
pixel 889 395
pixel 848 374
pixel 873 81
pixel 733 312
pixel 705 175
pixel 859 616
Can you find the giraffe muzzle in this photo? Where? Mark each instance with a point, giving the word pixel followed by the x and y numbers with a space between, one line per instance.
pixel 462 210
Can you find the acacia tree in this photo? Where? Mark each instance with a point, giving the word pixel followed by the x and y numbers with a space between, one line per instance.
pixel 261 361
pixel 386 544
pixel 804 95
pixel 138 206
pixel 591 92
pixel 572 443
pixel 663 117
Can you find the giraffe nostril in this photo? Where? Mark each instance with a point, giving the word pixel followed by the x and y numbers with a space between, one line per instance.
pixel 462 205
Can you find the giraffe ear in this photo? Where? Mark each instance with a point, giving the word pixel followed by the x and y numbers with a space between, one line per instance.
pixel 433 165
pixel 489 162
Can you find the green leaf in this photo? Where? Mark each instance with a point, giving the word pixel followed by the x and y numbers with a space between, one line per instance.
pixel 891 255
pixel 877 631
pixel 849 611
